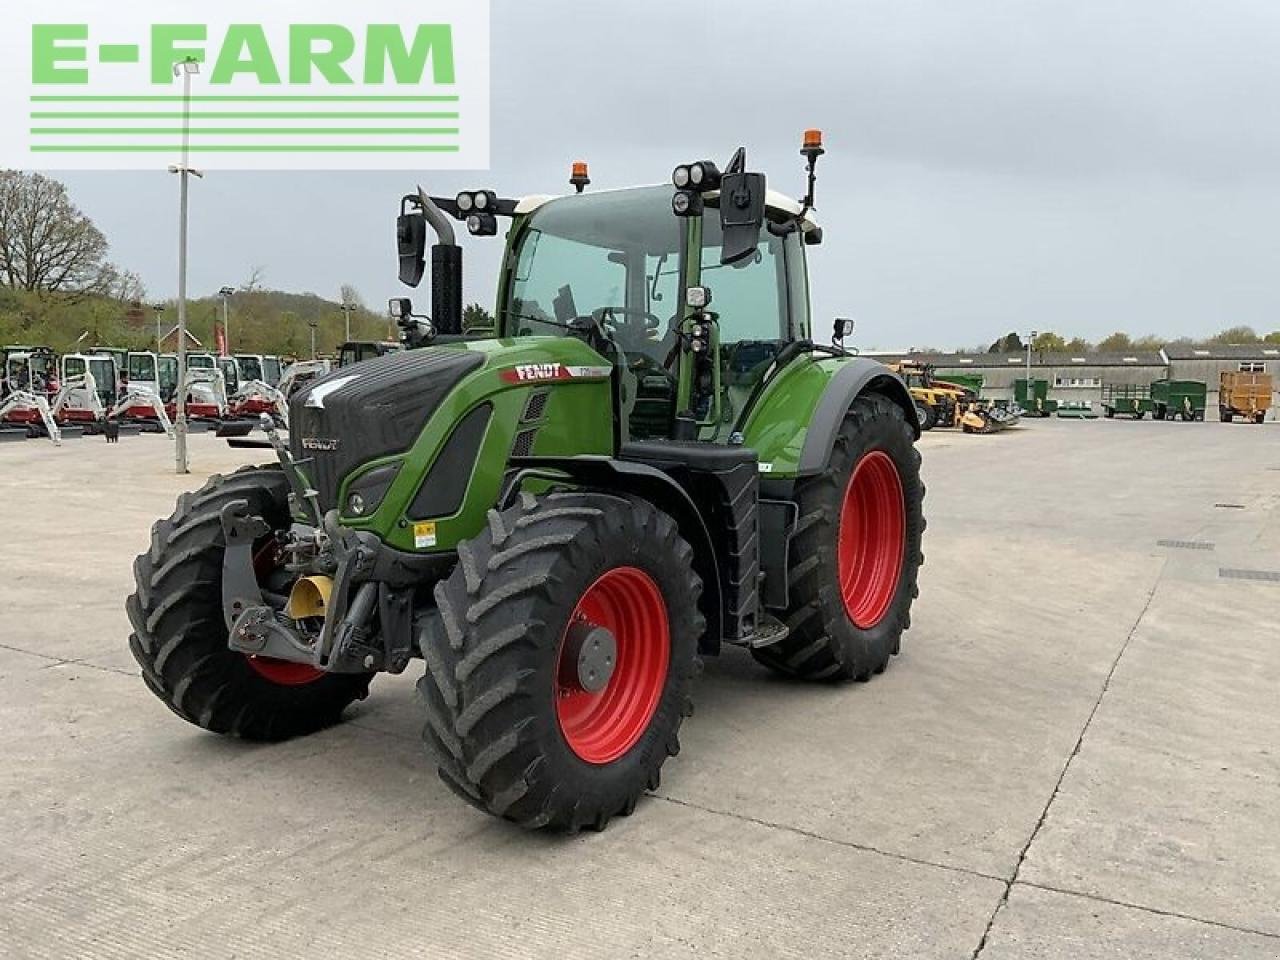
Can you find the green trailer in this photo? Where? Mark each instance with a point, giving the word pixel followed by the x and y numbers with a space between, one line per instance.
pixel 970 381
pixel 1171 399
pixel 1034 402
pixel 1077 410
pixel 1126 400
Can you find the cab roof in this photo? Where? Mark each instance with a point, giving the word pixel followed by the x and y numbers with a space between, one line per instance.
pixel 773 200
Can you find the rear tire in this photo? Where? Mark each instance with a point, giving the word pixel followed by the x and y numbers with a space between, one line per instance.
pixel 511 732
pixel 180 636
pixel 847 627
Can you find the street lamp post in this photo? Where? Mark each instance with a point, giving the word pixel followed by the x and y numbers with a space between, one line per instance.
pixel 347 307
pixel 313 324
pixel 186 69
pixel 159 309
pixel 226 293
pixel 1030 395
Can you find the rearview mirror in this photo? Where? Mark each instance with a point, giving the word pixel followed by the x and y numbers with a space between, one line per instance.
pixel 411 245
pixel 741 214
pixel 843 328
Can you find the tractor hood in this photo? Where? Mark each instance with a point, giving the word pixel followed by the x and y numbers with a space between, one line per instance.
pixel 372 409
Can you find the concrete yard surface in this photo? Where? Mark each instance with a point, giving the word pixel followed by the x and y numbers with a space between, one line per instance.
pixel 1076 755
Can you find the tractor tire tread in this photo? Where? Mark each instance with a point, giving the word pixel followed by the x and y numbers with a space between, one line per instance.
pixel 179 638
pixel 496 743
pixel 822 643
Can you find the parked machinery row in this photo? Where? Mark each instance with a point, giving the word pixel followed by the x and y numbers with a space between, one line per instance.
pixel 1247 395
pixel 103 388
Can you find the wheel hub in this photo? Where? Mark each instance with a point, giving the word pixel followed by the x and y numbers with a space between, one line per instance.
pixel 592 650
pixel 612 664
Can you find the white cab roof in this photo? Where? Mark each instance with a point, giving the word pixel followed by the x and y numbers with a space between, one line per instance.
pixel 773 200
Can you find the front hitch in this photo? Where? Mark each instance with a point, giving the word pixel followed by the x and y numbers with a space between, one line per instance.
pixel 348 642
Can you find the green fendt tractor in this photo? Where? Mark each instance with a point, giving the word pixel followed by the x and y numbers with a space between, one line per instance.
pixel 650 457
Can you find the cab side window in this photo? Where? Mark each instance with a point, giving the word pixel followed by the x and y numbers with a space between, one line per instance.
pixel 749 295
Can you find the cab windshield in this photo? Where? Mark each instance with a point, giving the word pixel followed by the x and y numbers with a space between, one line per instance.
pixel 142 368
pixel 199 361
pixel 250 368
pixel 271 370
pixel 168 377
pixel 615 255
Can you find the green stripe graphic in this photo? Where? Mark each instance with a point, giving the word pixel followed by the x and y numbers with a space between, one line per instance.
pixel 223 131
pixel 257 98
pixel 240 115
pixel 247 148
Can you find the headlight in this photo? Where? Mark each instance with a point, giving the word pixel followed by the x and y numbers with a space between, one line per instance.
pixel 482 201
pixel 696 174
pixel 686 203
pixel 680 177
pixel 464 201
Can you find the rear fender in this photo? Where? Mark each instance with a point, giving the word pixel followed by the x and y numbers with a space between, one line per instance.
pixel 794 425
pixel 851 380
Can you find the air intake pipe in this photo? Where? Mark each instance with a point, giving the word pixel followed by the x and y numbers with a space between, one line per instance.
pixel 446 270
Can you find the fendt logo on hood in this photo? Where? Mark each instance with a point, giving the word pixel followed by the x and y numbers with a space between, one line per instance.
pixel 323 444
pixel 538 372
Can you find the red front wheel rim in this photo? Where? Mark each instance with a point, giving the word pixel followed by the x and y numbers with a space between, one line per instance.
pixel 285 673
pixel 600 727
pixel 872 538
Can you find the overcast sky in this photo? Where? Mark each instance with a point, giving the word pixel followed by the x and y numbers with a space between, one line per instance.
pixel 1079 166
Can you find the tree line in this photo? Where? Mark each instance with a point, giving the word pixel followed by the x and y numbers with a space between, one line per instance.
pixel 58 287
pixel 1119 342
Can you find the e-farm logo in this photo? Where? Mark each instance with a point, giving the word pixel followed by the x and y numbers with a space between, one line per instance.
pixel 322 84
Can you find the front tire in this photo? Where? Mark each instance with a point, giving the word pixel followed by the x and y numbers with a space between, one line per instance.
pixel 519 721
pixel 180 636
pixel 856 553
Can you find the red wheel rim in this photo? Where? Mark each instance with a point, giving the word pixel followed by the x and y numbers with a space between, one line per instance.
pixel 600 727
pixel 286 673
pixel 872 538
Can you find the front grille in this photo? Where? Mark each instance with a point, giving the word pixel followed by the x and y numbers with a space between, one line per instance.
pixel 371 409
pixel 534 409
pixel 523 446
